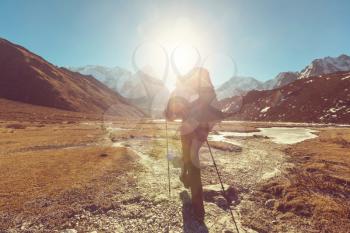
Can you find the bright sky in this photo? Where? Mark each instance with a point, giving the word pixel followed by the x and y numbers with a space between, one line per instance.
pixel 262 37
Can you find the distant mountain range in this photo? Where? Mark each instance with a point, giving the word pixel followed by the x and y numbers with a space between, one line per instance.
pixel 318 67
pixel 27 77
pixel 131 86
pixel 319 92
pixel 323 98
pixel 148 93
pixel 113 77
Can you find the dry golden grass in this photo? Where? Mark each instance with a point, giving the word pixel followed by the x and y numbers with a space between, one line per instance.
pixel 319 186
pixel 237 127
pixel 26 176
pixel 46 169
pixel 17 111
pixel 38 137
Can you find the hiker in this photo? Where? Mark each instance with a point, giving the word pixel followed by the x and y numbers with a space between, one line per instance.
pixel 193 101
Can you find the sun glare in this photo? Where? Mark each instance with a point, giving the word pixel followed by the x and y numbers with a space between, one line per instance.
pixel 184 58
pixel 185 46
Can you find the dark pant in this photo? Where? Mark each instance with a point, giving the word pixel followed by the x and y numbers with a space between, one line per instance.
pixel 191 171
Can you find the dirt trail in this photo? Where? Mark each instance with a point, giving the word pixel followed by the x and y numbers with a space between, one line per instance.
pixel 148 208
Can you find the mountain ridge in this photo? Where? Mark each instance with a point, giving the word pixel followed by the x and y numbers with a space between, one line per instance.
pixel 323 99
pixel 29 78
pixel 319 66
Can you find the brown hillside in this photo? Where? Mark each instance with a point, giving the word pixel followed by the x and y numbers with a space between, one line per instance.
pixel 28 78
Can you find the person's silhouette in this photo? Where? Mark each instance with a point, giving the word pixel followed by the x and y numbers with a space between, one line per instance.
pixel 193 101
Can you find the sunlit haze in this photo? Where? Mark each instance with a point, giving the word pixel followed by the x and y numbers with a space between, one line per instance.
pixel 245 38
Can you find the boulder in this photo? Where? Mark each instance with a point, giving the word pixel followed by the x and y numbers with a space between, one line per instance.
pixel 213 193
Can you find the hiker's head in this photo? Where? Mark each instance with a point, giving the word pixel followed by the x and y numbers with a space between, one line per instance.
pixel 177 108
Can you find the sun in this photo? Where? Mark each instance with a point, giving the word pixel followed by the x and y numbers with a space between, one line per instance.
pixel 185 46
pixel 184 58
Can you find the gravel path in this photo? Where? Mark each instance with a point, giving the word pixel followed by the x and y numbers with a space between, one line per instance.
pixel 148 208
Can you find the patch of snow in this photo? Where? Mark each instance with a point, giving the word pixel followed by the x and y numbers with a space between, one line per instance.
pixel 334 110
pixel 228 107
pixel 265 109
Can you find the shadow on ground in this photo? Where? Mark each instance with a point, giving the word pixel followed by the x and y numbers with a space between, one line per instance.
pixel 190 224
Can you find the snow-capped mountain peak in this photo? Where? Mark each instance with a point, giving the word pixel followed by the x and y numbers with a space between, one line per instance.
pixel 113 77
pixel 237 85
pixel 326 65
pixel 285 78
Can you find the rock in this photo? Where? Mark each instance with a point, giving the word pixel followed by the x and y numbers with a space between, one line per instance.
pixel 260 136
pixel 92 208
pixel 149 221
pixel 69 231
pixel 110 213
pixel 221 202
pixel 25 225
pixel 213 193
pixel 270 203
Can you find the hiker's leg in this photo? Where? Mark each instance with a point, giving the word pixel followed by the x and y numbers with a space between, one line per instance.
pixel 196 181
pixel 197 192
pixel 194 151
pixel 186 158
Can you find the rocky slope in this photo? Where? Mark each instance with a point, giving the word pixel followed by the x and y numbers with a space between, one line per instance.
pixel 284 78
pixel 28 78
pixel 316 99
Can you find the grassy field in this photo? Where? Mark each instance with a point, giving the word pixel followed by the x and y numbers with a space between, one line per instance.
pixel 48 169
pixel 318 187
pixel 52 172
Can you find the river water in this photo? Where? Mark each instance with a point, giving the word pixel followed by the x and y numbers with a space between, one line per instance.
pixel 280 135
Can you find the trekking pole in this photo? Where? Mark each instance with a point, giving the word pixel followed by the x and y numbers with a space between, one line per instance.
pixel 222 186
pixel 167 154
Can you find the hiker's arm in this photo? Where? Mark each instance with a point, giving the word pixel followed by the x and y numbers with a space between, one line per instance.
pixel 176 108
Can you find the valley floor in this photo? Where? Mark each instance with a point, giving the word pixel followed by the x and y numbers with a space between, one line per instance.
pixel 98 176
